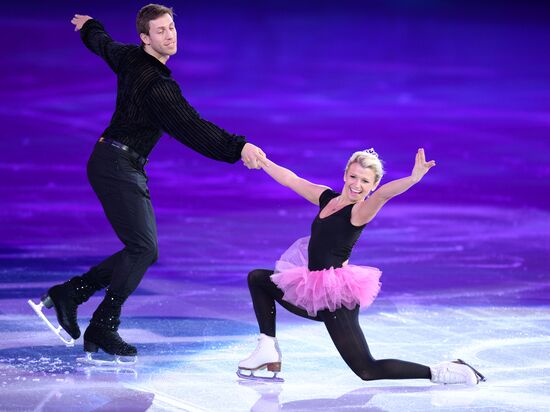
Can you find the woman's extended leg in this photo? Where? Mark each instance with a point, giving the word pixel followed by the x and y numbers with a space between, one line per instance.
pixel 343 327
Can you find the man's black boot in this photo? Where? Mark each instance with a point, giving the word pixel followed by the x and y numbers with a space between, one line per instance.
pixel 65 299
pixel 102 333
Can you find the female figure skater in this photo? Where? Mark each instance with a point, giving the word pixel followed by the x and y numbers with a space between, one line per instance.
pixel 324 287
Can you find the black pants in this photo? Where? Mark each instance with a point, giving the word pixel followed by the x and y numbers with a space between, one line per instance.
pixel 342 326
pixel 120 183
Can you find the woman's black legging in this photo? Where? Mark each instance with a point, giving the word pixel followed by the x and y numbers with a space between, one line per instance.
pixel 342 325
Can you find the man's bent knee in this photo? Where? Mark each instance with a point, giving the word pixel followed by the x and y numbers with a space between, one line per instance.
pixel 153 253
pixel 145 252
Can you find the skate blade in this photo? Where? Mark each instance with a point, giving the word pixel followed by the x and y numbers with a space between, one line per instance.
pixel 69 342
pixel 480 377
pixel 118 361
pixel 91 371
pixel 253 377
pixel 96 370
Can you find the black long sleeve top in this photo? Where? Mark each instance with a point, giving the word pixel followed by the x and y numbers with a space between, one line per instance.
pixel 149 102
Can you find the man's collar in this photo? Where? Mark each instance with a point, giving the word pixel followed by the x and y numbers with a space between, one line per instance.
pixel 162 67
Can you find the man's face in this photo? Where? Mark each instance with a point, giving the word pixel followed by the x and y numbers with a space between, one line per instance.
pixel 162 39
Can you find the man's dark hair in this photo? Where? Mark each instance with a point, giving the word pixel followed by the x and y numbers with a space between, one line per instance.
pixel 148 13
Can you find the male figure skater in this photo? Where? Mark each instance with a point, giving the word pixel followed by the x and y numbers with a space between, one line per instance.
pixel 148 102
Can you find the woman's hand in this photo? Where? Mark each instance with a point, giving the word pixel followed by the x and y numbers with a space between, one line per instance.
pixel 421 167
pixel 252 156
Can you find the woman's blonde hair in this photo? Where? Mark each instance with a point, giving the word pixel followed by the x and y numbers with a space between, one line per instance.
pixel 369 160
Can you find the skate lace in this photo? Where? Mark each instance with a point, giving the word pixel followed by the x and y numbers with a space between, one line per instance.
pixel 72 315
pixel 64 306
pixel 67 312
pixel 117 344
pixel 120 342
pixel 450 375
pixel 256 350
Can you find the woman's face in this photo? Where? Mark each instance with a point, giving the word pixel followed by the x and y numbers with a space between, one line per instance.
pixel 358 182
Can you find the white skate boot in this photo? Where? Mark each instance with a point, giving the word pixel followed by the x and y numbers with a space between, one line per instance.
pixel 456 371
pixel 266 355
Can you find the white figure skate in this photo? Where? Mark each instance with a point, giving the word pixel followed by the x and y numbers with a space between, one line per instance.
pixel 267 355
pixel 47 303
pixel 456 372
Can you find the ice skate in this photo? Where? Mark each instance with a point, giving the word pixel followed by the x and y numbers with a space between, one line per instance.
pixel 102 333
pixel 117 351
pixel 59 332
pixel 456 372
pixel 108 361
pixel 479 376
pixel 122 371
pixel 65 298
pixel 267 355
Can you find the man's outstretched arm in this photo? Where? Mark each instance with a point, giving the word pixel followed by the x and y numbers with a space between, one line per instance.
pixel 96 39
pixel 173 114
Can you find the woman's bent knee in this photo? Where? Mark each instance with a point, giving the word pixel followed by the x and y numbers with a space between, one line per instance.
pixel 257 276
pixel 367 374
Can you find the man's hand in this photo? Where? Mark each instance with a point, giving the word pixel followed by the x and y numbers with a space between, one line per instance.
pixel 252 156
pixel 421 167
pixel 78 20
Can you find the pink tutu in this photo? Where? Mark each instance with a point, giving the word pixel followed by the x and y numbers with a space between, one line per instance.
pixel 324 289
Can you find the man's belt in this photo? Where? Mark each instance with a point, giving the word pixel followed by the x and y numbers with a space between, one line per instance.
pixel 133 154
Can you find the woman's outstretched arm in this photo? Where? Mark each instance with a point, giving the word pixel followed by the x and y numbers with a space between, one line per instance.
pixel 288 178
pixel 370 207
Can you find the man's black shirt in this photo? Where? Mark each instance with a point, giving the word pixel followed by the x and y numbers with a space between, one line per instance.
pixel 149 102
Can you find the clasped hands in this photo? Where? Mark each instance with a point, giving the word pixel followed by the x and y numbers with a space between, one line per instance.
pixel 252 156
